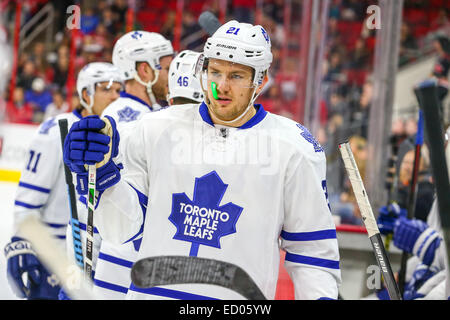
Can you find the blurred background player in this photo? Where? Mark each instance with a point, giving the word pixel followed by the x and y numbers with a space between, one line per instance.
pixel 184 87
pixel 143 59
pixel 98 85
pixel 254 213
pixel 42 189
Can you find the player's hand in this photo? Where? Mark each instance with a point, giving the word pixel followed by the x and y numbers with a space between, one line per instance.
pixel 414 236
pixel 387 217
pixel 22 260
pixel 93 141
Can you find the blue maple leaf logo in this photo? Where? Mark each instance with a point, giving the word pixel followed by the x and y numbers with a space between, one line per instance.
pixel 127 114
pixel 310 138
pixel 202 220
pixel 47 125
pixel 136 35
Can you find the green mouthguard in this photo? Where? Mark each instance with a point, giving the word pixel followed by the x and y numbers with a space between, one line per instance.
pixel 214 90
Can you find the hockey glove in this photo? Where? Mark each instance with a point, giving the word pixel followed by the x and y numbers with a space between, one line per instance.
pixel 421 274
pixel 93 141
pixel 414 236
pixel 22 259
pixel 387 217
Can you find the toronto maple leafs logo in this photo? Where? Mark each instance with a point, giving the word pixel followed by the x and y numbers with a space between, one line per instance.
pixel 136 35
pixel 202 220
pixel 310 138
pixel 127 114
pixel 45 127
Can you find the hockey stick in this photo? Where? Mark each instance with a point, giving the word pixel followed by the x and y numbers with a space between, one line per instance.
pixel 369 220
pixel 90 221
pixel 412 195
pixel 209 22
pixel 77 246
pixel 55 259
pixel 430 104
pixel 165 270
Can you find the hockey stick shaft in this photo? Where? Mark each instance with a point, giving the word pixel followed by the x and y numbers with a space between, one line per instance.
pixel 412 196
pixel 430 104
pixel 77 245
pixel 167 270
pixel 369 220
pixel 90 221
pixel 55 259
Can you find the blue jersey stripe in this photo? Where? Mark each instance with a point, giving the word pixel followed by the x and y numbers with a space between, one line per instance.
pixel 319 262
pixel 110 286
pixel 309 236
pixel 169 293
pixel 27 205
pixel 33 187
pixel 56 225
pixel 115 260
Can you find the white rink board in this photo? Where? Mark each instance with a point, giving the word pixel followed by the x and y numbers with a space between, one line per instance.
pixel 7 191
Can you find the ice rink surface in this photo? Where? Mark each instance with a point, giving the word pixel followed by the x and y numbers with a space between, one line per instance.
pixel 7 191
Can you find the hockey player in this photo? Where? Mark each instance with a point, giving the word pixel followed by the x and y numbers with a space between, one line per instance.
pixel 42 190
pixel 144 59
pixel 184 86
pixel 426 269
pixel 223 179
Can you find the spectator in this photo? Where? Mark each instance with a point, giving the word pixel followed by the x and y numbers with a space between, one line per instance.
pixel 58 106
pixel 26 75
pixel 408 45
pixel 18 110
pixel 344 205
pixel 243 10
pixel 89 21
pixel 425 187
pixel 39 97
pixel 190 37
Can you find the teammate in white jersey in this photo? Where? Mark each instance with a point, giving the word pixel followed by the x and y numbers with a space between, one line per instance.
pixel 184 86
pixel 42 189
pixel 223 179
pixel 143 59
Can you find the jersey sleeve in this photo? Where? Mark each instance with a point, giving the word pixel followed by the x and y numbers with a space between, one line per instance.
pixel 39 174
pixel 309 234
pixel 121 208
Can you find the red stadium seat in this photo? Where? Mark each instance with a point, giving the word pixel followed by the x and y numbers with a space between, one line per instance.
pixel 356 77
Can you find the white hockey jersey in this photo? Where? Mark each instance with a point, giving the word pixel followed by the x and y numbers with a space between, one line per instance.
pixel 233 194
pixel 42 189
pixel 112 273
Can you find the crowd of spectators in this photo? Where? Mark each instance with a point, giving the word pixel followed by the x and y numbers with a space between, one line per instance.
pixel 43 72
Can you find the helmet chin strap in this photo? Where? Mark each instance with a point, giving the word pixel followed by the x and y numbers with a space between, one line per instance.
pixel 148 86
pixel 250 104
pixel 89 106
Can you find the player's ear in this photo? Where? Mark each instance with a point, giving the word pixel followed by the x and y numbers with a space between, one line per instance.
pixel 145 72
pixel 264 82
pixel 85 96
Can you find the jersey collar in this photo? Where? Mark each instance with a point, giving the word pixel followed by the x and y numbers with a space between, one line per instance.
pixel 124 94
pixel 77 114
pixel 257 118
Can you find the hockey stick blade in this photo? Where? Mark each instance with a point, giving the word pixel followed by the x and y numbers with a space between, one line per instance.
pixel 167 270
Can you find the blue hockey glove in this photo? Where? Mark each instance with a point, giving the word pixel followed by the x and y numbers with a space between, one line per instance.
pixel 93 141
pixel 421 274
pixel 22 259
pixel 387 217
pixel 62 295
pixel 414 236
